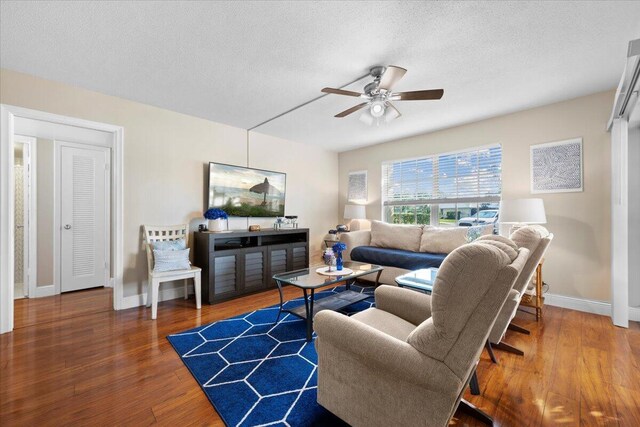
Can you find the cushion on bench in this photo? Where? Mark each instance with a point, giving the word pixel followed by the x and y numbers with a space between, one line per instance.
pixel 398 258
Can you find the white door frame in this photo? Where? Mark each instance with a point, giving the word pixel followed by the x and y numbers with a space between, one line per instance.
pixel 31 226
pixel 8 114
pixel 57 207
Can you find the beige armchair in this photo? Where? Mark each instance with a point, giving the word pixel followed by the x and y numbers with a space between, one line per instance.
pixel 407 361
pixel 536 239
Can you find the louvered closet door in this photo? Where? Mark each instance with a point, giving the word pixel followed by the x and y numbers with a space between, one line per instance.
pixel 83 218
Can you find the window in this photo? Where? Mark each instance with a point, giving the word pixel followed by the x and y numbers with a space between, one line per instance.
pixel 451 189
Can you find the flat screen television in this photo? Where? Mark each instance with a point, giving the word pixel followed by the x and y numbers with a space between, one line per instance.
pixel 241 191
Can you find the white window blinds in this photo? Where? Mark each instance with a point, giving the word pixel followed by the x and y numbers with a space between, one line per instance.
pixel 467 176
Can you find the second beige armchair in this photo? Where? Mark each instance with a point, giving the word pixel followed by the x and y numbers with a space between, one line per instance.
pixel 407 361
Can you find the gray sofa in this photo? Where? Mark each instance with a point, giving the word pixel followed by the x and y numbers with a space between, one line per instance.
pixel 403 248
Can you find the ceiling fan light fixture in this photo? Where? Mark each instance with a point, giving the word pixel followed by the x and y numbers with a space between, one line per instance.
pixel 391 114
pixel 377 108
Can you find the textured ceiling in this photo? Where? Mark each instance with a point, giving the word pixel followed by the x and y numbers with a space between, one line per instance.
pixel 241 63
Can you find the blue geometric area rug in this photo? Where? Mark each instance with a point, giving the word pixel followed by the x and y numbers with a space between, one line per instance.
pixel 257 373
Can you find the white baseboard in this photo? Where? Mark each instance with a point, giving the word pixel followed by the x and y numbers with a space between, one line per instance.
pixel 45 291
pixel 164 295
pixel 588 306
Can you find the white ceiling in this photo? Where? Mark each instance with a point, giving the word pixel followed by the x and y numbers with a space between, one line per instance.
pixel 241 63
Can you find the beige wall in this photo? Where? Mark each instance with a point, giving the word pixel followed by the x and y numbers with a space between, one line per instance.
pixel 164 154
pixel 577 264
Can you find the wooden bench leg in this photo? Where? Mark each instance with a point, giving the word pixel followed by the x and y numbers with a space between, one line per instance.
pixel 186 288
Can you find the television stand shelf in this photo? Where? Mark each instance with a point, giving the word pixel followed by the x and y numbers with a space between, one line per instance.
pixel 237 263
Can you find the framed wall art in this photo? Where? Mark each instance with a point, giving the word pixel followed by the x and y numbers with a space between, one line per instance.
pixel 556 167
pixel 357 190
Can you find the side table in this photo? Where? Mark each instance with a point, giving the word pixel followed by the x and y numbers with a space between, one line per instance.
pixel 535 301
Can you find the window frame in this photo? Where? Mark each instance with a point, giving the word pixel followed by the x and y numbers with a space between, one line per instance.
pixel 435 203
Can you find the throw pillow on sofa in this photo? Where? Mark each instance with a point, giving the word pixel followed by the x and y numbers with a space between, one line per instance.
pixel 440 240
pixel 396 236
pixel 443 240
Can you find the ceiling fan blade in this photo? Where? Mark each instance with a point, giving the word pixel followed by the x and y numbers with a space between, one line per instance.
pixel 391 76
pixel 351 110
pixel 418 95
pixel 340 91
pixel 392 113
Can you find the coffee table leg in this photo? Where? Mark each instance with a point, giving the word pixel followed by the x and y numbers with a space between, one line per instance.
pixel 310 321
pixel 308 318
pixel 281 302
pixel 378 279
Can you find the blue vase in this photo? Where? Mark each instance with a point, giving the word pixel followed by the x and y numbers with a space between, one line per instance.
pixel 339 261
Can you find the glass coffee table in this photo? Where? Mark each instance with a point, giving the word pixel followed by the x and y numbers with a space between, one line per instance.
pixel 308 280
pixel 419 280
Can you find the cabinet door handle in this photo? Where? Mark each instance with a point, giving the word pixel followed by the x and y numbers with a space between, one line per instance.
pixel 67 227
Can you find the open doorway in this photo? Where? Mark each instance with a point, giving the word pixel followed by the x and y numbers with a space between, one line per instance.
pixel 61 243
pixel 24 214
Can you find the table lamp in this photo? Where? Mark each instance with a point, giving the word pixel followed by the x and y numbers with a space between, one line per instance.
pixel 521 212
pixel 355 213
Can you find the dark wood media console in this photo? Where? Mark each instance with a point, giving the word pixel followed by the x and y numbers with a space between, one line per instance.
pixel 241 262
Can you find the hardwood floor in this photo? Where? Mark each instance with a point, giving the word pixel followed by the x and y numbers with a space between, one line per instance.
pixel 72 360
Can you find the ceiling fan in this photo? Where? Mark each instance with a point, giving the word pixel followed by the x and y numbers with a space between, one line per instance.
pixel 378 95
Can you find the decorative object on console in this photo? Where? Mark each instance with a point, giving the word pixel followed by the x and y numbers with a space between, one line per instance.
pixel 521 212
pixel 355 213
pixel 357 191
pixel 289 221
pixel 338 248
pixel 217 218
pixel 556 167
pixel 254 227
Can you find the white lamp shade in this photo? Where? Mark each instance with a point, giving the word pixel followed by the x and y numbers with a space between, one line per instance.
pixel 355 212
pixel 522 211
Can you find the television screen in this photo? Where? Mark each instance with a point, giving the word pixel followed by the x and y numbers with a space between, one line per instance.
pixel 243 191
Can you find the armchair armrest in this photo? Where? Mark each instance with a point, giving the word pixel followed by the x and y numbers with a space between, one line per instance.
pixel 412 306
pixel 354 239
pixel 384 353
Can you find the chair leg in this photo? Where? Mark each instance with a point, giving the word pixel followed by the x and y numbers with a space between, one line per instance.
pixel 155 285
pixel 508 348
pixel 186 288
pixel 492 355
pixel 516 328
pixel 472 410
pixel 473 384
pixel 197 290
pixel 149 286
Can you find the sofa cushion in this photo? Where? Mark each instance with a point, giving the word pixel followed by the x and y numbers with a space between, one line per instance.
pixel 407 260
pixel 442 240
pixel 396 236
pixel 445 239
